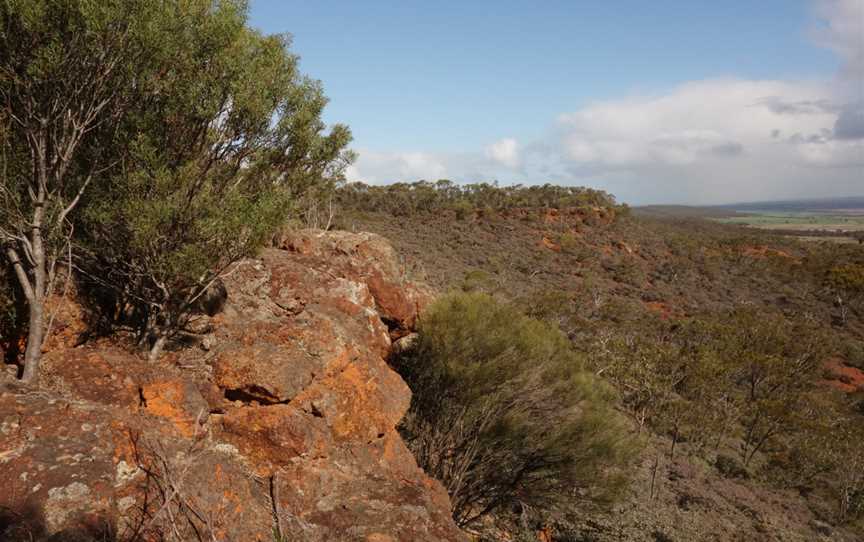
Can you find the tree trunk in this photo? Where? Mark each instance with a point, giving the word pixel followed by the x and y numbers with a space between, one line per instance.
pixel 36 331
pixel 654 475
pixel 674 442
pixel 158 346
pixel 162 332
pixel 35 337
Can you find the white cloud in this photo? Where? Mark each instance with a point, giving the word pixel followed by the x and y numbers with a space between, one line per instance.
pixel 717 140
pixel 840 27
pixel 704 141
pixel 386 167
pixel 497 161
pixel 506 152
pixel 716 119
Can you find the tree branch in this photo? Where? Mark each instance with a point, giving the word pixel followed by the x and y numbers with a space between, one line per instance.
pixel 23 279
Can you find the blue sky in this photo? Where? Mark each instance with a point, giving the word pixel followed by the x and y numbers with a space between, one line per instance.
pixel 513 90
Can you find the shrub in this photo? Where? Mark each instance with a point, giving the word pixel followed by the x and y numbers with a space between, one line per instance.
pixel 463 209
pixel 569 242
pixel 478 280
pixel 853 352
pixel 848 277
pixel 67 69
pixel 730 467
pixel 503 412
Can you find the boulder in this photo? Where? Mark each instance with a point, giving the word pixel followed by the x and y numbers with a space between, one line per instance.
pixel 282 427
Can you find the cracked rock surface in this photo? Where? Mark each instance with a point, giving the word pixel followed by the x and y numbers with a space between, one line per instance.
pixel 282 420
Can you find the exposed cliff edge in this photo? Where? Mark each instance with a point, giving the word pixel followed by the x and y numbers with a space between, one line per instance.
pixel 281 422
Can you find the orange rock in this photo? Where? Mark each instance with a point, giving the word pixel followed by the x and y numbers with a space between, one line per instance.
pixel 292 403
pixel 548 243
pixel 844 377
pixel 178 401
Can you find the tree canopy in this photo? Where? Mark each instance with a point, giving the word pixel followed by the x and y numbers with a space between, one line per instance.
pixel 162 141
pixel 224 140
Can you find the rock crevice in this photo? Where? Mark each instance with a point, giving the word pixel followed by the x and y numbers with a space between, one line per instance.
pixel 285 421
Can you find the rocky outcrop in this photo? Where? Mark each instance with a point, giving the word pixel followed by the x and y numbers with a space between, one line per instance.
pixel 279 424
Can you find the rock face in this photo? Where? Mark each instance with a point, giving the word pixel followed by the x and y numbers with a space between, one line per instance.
pixel 279 425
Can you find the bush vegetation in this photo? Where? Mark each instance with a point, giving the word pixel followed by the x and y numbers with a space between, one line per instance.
pixel 714 337
pixel 163 141
pixel 10 324
pixel 748 375
pixel 407 199
pixel 64 71
pixel 147 146
pixel 504 413
pixel 211 168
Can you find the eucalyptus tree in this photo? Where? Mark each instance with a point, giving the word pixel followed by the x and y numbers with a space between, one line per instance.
pixel 216 152
pixel 66 67
pixel 168 136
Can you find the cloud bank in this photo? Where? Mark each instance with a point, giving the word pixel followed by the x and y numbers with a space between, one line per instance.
pixel 707 141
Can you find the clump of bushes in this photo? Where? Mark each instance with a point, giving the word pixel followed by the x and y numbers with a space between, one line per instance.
pixel 409 199
pixel 568 242
pixel 504 413
pixel 730 467
pixel 463 209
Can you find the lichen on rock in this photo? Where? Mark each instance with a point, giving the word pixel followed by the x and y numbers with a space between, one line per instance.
pixel 284 423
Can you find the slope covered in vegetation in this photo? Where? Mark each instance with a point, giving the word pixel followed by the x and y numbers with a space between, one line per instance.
pixel 737 354
pixel 151 151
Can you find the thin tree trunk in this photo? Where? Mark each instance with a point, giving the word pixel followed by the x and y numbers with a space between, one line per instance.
pixel 36 320
pixel 163 331
pixel 35 338
pixel 674 442
pixel 158 346
pixel 36 317
pixel 654 475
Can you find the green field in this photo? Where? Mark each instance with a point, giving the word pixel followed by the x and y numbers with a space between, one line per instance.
pixel 830 221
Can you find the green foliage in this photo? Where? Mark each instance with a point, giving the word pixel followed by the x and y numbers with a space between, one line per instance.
pixel 748 375
pixel 848 277
pixel 568 242
pixel 9 316
pixel 730 467
pixel 225 137
pixel 503 412
pixel 408 199
pixel 69 71
pixel 463 209
pixel 852 351
pixel 478 280
pixel 63 68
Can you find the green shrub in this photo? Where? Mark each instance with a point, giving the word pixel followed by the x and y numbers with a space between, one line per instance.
pixel 569 242
pixel 463 209
pixel 730 467
pixel 478 280
pixel 503 412
pixel 853 352
pixel 849 277
pixel 221 147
